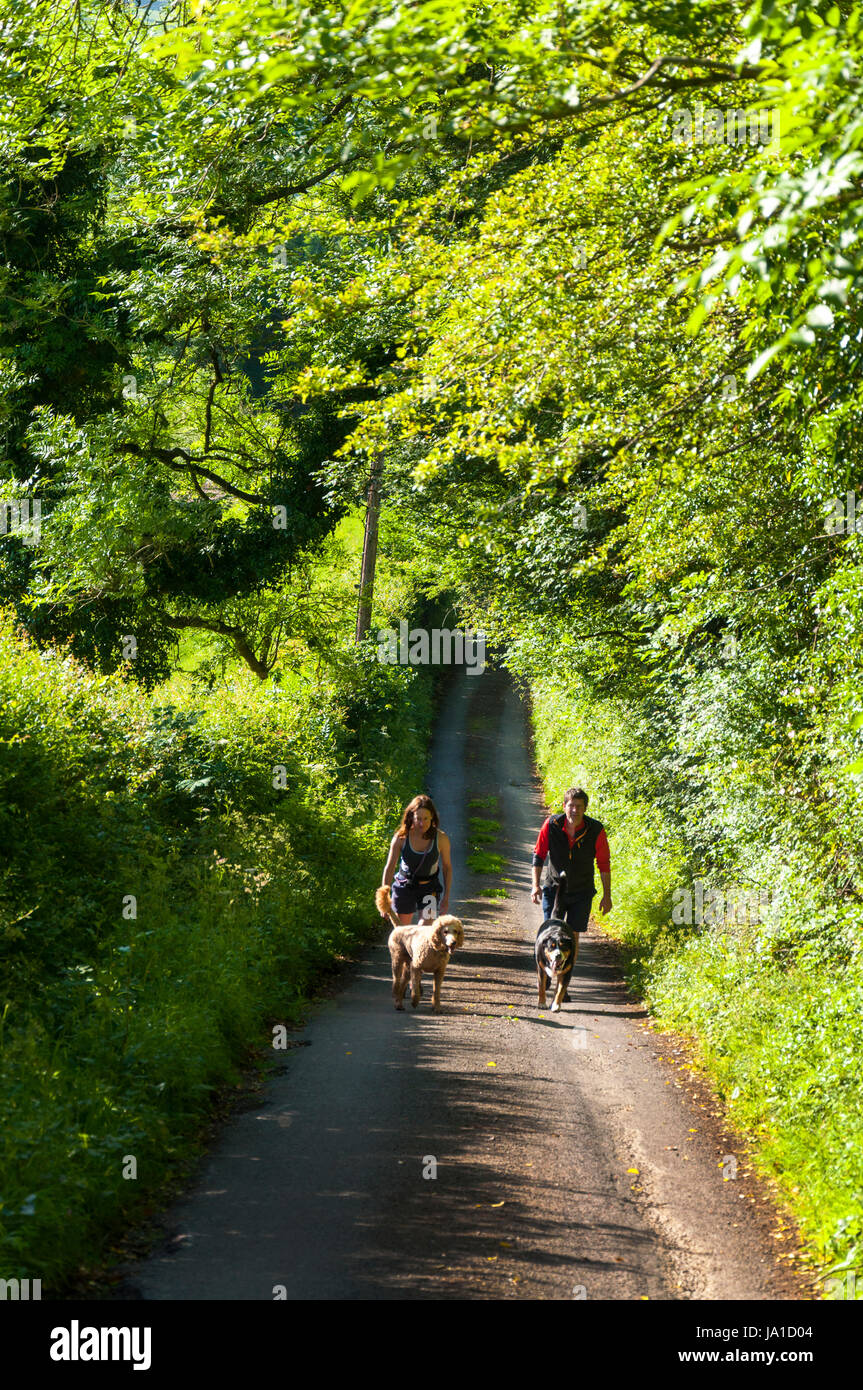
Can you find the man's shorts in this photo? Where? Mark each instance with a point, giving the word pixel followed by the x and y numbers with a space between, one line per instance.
pixel 576 909
pixel 422 897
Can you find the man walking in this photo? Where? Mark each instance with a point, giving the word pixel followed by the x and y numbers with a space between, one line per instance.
pixel 569 844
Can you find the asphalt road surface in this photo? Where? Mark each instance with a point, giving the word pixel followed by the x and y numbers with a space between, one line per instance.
pixel 490 1151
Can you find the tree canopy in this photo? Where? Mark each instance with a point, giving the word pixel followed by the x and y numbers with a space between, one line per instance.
pixel 585 280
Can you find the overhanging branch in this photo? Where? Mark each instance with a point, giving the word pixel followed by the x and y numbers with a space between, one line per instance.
pixel 241 642
pixel 194 465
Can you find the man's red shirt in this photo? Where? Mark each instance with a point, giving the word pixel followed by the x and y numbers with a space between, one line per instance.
pixel 602 854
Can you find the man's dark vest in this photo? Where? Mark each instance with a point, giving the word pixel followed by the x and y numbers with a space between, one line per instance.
pixel 575 861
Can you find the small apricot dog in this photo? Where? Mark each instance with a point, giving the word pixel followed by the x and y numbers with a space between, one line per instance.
pixel 426 947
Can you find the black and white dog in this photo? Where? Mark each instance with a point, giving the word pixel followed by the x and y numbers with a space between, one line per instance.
pixel 555 952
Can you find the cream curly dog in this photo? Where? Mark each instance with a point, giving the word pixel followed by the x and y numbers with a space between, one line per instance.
pixel 427 946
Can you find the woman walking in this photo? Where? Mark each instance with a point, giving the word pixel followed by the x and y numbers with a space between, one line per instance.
pixel 420 849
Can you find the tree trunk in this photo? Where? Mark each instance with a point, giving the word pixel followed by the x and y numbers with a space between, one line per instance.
pixel 370 552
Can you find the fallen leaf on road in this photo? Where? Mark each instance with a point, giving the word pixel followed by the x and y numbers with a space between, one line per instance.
pixel 633 1170
pixel 491 1064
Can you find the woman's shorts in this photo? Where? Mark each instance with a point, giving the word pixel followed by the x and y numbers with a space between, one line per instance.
pixel 417 897
pixel 576 912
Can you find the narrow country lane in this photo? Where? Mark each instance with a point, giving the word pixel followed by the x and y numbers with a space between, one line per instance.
pixel 320 1189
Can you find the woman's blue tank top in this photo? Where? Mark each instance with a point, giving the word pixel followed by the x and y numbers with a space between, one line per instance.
pixel 415 864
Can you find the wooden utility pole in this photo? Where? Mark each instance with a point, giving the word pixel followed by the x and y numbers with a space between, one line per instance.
pixel 370 551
